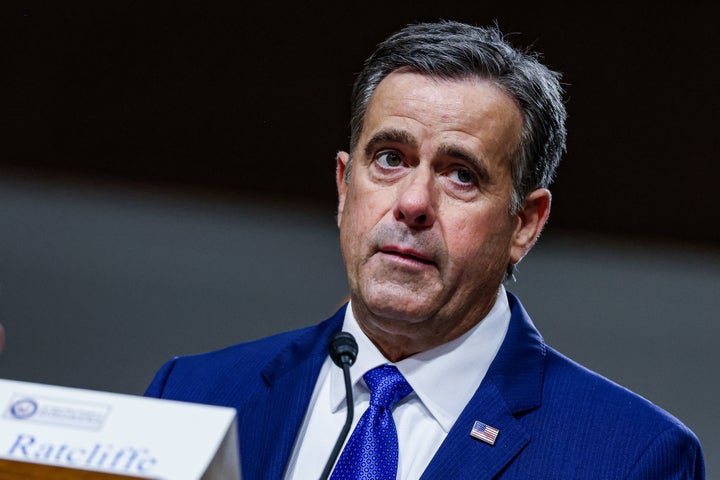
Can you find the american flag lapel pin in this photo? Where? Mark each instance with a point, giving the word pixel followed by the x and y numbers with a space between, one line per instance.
pixel 484 433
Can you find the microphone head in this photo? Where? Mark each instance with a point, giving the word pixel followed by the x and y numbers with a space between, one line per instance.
pixel 343 349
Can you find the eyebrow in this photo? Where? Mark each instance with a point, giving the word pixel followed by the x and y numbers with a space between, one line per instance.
pixel 389 135
pixel 454 151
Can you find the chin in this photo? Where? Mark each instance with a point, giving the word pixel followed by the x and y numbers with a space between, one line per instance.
pixel 400 308
pixel 393 299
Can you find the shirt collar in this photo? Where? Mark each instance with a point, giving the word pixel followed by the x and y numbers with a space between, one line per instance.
pixel 444 378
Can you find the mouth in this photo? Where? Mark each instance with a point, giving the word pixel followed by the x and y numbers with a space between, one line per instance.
pixel 407 254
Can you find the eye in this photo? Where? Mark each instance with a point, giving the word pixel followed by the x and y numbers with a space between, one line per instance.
pixel 463 175
pixel 389 160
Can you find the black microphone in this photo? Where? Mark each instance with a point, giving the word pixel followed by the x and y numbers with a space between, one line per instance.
pixel 343 350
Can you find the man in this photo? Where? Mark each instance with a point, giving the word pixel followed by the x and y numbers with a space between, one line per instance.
pixel 455 139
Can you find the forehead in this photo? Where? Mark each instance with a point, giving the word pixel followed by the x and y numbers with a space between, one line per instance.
pixel 472 110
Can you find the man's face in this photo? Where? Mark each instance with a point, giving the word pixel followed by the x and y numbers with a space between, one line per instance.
pixel 424 220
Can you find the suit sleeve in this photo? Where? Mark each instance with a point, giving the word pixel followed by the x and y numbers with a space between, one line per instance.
pixel 675 454
pixel 158 384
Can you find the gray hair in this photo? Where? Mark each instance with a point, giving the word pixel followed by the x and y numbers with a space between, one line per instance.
pixel 453 50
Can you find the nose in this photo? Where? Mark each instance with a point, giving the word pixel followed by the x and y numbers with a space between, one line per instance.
pixel 415 201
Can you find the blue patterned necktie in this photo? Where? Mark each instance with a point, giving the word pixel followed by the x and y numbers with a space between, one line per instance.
pixel 372 451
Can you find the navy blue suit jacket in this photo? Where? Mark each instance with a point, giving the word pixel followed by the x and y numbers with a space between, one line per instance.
pixel 557 420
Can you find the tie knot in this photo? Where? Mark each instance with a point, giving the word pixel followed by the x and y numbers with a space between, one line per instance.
pixel 387 386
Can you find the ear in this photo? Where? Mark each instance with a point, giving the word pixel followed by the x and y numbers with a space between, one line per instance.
pixel 343 163
pixel 530 222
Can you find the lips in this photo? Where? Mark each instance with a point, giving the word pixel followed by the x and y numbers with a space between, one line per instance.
pixel 407 253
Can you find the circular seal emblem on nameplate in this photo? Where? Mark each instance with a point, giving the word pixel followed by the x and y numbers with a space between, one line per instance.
pixel 24 408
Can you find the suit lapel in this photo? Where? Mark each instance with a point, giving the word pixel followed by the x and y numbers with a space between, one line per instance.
pixel 512 385
pixel 462 456
pixel 272 417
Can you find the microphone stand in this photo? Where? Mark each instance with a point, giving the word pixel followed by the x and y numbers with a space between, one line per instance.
pixel 343 351
pixel 346 427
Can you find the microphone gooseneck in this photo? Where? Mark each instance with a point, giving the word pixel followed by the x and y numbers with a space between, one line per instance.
pixel 343 350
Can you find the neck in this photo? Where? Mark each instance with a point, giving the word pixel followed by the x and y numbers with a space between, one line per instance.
pixel 400 338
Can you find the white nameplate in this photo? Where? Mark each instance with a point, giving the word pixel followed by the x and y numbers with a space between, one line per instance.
pixel 114 433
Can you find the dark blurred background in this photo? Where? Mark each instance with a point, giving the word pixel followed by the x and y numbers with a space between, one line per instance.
pixel 167 183
pixel 235 99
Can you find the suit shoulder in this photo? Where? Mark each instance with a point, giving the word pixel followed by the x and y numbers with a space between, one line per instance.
pixel 245 355
pixel 217 376
pixel 591 427
pixel 601 415
pixel 569 382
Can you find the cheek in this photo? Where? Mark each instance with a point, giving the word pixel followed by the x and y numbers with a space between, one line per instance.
pixel 358 219
pixel 479 241
pixel 365 209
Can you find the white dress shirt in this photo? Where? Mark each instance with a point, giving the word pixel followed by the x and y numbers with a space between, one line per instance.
pixel 443 379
